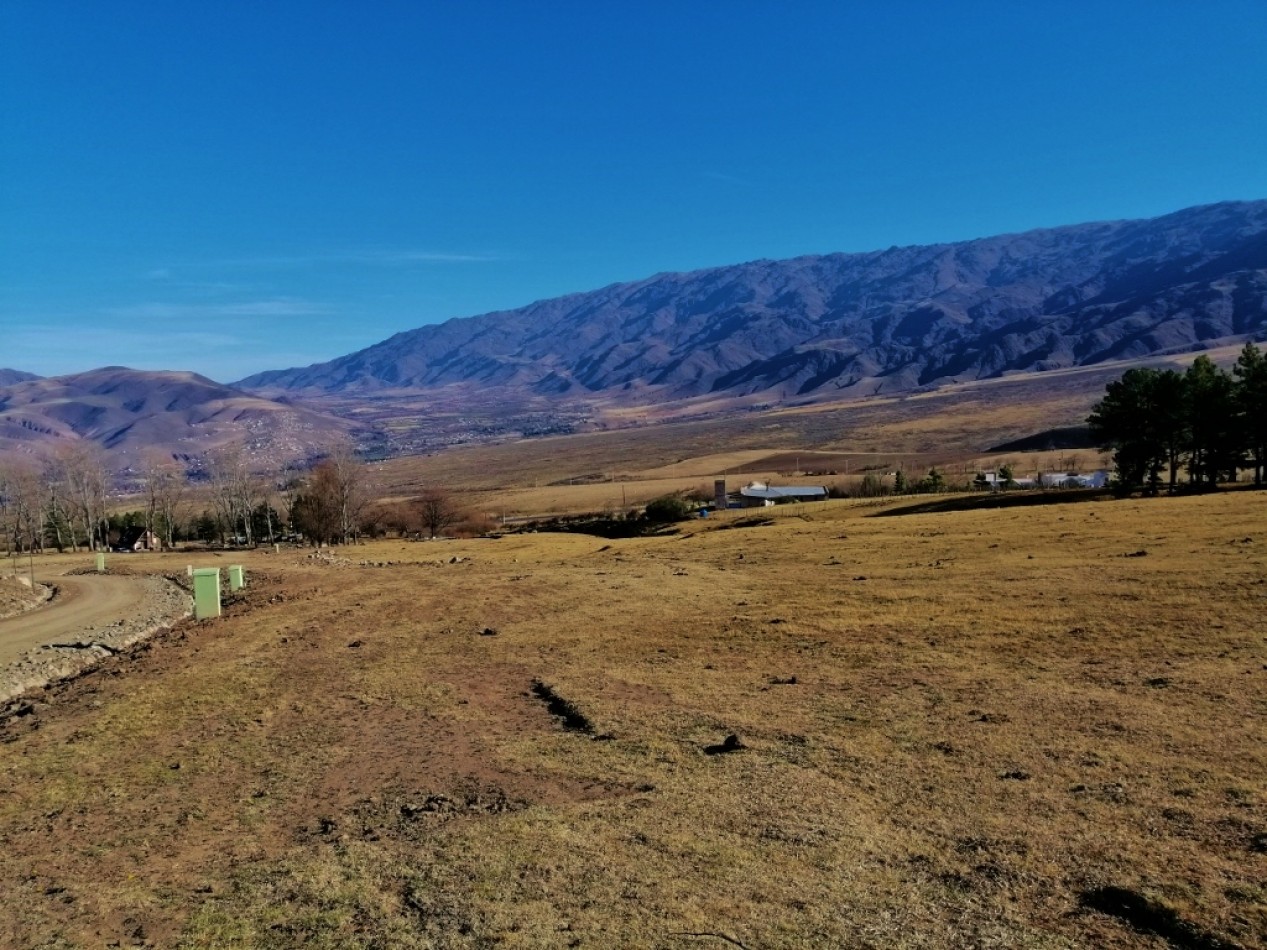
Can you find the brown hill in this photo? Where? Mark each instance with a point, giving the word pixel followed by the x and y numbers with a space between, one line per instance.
pixel 849 324
pixel 10 376
pixel 130 411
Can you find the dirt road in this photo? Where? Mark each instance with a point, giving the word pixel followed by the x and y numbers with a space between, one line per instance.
pixel 82 601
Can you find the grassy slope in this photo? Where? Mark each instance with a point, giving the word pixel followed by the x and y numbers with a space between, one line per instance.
pixel 992 712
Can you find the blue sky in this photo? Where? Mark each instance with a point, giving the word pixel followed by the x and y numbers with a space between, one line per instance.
pixel 237 186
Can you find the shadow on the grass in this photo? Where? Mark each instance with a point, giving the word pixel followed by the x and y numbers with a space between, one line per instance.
pixel 979 502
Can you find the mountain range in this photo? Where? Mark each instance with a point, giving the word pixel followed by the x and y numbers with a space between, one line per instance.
pixel 848 324
pixel 814 328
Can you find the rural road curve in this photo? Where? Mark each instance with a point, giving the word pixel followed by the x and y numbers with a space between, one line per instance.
pixel 82 601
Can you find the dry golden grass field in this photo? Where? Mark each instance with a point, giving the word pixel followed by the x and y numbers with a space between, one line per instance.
pixel 951 428
pixel 1016 727
pixel 953 423
pixel 665 449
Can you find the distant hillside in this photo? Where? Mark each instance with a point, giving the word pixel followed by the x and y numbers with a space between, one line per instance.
pixel 853 324
pixel 130 412
pixel 10 376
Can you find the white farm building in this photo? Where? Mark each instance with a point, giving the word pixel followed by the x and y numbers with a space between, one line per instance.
pixel 761 495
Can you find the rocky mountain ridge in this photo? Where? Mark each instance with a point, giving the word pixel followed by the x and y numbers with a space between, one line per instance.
pixel 849 324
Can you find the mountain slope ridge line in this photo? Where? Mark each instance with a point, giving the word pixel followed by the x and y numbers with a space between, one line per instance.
pixel 851 325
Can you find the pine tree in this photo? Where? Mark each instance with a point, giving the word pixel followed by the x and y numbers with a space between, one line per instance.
pixel 1141 418
pixel 1251 404
pixel 1212 418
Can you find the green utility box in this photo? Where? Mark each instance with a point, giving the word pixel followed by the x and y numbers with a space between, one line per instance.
pixel 206 593
pixel 101 563
pixel 237 579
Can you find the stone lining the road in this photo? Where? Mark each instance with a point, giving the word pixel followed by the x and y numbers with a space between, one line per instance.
pixel 165 603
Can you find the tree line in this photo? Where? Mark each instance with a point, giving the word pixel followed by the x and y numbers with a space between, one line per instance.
pixel 1205 422
pixel 64 502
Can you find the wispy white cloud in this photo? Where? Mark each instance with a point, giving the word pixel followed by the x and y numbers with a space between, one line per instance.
pixel 270 307
pixel 366 257
pixel 225 352
pixel 421 257
pixel 51 349
pixel 91 340
pixel 170 281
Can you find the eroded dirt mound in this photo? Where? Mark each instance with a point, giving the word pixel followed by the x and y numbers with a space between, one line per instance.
pixel 16 597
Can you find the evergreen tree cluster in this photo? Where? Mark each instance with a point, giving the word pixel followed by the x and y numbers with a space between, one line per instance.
pixel 1205 420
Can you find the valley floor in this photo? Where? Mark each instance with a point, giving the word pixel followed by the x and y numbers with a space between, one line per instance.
pixel 1025 727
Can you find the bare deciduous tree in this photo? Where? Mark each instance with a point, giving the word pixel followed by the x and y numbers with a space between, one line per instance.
pixel 21 510
pixel 264 494
pixel 164 488
pixel 58 509
pixel 81 472
pixel 315 506
pixel 350 488
pixel 232 490
pixel 436 510
pixel 171 492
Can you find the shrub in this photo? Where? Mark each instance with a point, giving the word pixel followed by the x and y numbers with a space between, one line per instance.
pixel 872 486
pixel 668 508
pixel 933 482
